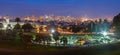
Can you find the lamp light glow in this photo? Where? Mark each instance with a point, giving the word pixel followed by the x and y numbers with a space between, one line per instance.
pixel 52 30
pixel 104 33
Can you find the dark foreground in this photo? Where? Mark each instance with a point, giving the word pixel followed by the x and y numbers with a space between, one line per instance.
pixel 109 49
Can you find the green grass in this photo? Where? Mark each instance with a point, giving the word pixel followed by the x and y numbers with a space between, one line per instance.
pixel 18 45
pixel 96 50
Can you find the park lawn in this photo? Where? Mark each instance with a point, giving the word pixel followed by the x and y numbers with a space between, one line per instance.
pixel 117 52
pixel 103 49
pixel 20 46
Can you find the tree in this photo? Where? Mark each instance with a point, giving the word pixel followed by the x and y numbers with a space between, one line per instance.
pixel 17 19
pixel 26 39
pixel 106 25
pixel 75 28
pixel 1 25
pixel 91 27
pixel 116 23
pixel 9 27
pixel 100 25
pixel 27 27
pixel 1 31
pixel 56 35
pixel 88 37
pixel 96 26
pixel 17 27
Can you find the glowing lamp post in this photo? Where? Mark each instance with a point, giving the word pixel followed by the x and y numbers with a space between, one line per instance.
pixel 105 33
pixel 52 30
pixel 106 37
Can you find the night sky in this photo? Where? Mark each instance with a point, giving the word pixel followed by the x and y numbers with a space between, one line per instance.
pixel 76 8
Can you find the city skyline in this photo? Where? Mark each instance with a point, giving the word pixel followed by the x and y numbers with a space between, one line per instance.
pixel 75 8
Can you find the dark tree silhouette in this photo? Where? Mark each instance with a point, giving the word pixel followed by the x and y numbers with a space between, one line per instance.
pixel 64 40
pixel 43 38
pixel 27 27
pixel 56 35
pixel 116 23
pixel 17 26
pixel 17 19
pixel 91 27
pixel 106 25
pixel 100 25
pixel 75 28
pixel 26 39
pixel 96 26
pixel 1 25
pixel 1 31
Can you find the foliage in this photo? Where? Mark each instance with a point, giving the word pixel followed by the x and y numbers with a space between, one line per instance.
pixel 27 27
pixel 75 28
pixel 88 37
pixel 17 19
pixel 91 27
pixel 116 23
pixel 1 25
pixel 17 26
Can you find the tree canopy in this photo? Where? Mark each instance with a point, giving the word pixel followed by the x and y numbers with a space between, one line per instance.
pixel 27 27
pixel 116 23
pixel 17 19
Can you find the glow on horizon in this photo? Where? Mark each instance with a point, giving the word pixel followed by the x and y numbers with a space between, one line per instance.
pixel 75 8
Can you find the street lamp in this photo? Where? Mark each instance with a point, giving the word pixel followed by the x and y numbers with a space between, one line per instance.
pixel 104 33
pixel 105 40
pixel 52 30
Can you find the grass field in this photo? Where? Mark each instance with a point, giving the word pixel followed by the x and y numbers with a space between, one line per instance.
pixel 18 48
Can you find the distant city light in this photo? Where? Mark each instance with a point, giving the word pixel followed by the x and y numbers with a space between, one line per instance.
pixel 46 16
